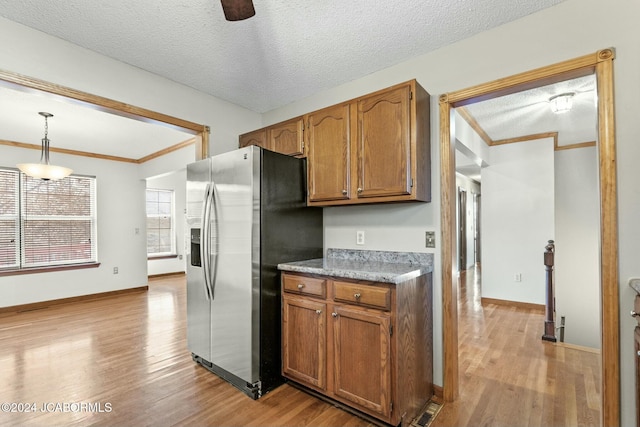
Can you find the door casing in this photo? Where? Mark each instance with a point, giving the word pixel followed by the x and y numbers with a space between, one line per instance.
pixel 599 63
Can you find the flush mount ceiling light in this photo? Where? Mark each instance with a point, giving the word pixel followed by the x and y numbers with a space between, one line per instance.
pixel 237 10
pixel 561 103
pixel 44 170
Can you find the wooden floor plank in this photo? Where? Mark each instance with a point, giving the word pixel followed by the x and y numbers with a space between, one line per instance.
pixel 130 351
pixel 510 377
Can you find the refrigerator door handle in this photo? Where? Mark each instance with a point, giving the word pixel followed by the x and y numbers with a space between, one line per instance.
pixel 213 251
pixel 205 241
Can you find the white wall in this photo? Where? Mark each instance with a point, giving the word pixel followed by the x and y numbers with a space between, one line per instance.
pixel 577 262
pixel 121 210
pixel 120 186
pixel 517 220
pixel 176 181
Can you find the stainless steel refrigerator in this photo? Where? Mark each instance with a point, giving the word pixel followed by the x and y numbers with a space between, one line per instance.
pixel 246 213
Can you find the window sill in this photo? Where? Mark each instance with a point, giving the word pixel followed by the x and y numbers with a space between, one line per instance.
pixel 150 258
pixel 49 269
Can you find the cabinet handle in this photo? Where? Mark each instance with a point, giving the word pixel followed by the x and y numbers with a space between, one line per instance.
pixel 638 353
pixel 334 314
pixel 356 296
pixel 359 190
pixel 318 311
pixel 634 314
pixel 300 286
pixel 344 192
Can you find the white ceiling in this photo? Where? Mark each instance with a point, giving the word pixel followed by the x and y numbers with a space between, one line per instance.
pixel 287 51
pixel 529 113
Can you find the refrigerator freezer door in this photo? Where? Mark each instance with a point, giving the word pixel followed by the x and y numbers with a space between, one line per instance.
pixel 235 223
pixel 198 306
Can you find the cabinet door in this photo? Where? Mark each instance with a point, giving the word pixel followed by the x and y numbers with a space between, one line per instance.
pixel 362 358
pixel 287 137
pixel 328 153
pixel 257 137
pixel 384 144
pixel 304 341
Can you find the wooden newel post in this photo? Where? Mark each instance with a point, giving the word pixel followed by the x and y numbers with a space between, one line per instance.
pixel 550 309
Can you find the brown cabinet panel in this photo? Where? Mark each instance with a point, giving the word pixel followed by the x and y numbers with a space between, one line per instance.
pixel 376 360
pixel 384 144
pixel 304 285
pixel 304 341
pixel 362 366
pixel 328 153
pixel 257 137
pixel 362 294
pixel 373 149
pixel 287 137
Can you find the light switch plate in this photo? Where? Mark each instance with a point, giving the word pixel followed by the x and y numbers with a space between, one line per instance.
pixel 430 239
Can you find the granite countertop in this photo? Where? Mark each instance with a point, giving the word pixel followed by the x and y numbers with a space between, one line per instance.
pixel 635 284
pixel 377 266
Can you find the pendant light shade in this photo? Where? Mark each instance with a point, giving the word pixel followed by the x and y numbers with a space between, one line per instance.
pixel 237 10
pixel 44 170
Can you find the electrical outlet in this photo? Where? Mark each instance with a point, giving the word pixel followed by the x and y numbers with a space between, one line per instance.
pixel 517 277
pixel 115 270
pixel 359 237
pixel 430 239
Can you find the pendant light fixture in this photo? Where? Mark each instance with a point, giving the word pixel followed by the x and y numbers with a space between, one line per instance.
pixel 237 10
pixel 44 170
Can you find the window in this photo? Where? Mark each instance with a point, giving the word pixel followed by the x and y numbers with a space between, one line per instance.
pixel 160 228
pixel 46 223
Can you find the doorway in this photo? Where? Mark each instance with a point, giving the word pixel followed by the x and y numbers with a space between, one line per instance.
pixel 462 230
pixel 600 64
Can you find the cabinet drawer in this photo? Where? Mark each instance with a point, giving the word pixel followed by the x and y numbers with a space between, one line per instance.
pixel 636 308
pixel 362 294
pixel 304 285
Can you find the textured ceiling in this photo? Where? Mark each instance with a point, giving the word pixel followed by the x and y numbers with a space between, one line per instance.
pixel 287 51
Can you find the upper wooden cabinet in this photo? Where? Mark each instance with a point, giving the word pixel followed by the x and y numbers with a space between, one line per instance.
pixel 287 137
pixel 257 137
pixel 384 143
pixel 328 138
pixel 381 153
pixel 372 149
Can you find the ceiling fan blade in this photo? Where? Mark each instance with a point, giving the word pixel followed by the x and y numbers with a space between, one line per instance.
pixel 237 10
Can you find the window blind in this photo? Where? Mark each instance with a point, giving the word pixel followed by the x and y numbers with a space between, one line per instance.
pixel 57 221
pixel 9 221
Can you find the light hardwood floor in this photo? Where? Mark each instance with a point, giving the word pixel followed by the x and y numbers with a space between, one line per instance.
pixel 130 352
pixel 510 377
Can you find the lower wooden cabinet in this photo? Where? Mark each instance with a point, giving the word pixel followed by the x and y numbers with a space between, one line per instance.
pixel 361 358
pixel 304 341
pixel 365 344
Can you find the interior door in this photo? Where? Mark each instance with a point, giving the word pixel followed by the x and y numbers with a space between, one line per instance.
pixel 462 229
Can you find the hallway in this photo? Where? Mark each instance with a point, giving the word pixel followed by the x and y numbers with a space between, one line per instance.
pixel 510 377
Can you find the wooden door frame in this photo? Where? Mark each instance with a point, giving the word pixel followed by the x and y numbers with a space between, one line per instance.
pixel 600 64
pixel 30 84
